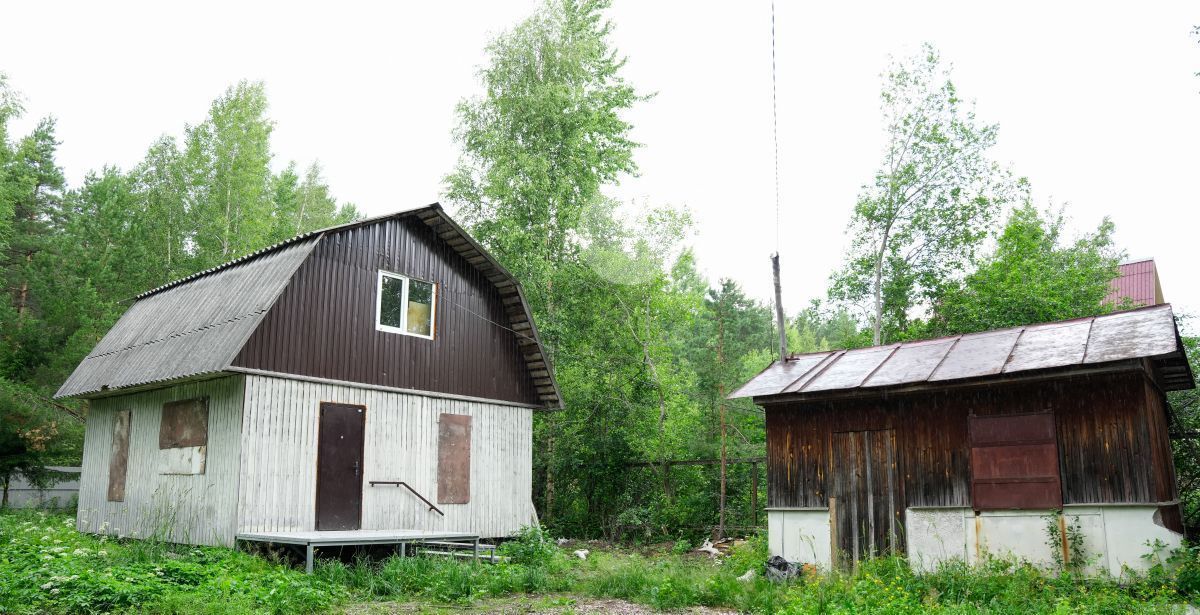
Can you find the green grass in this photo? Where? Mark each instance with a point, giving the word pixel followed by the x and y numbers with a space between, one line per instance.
pixel 46 566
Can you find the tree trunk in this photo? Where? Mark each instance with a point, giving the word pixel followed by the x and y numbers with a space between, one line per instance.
pixel 23 296
pixel 548 513
pixel 721 405
pixel 4 499
pixel 877 325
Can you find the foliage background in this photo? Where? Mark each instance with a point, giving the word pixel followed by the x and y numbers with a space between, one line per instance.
pixel 943 241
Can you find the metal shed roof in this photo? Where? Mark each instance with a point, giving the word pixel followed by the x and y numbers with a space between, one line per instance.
pixel 196 328
pixel 1143 333
pixel 197 325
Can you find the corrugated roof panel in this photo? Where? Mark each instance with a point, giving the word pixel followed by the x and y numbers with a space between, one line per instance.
pixel 1137 333
pixel 1143 333
pixel 912 363
pixel 1044 346
pixel 779 375
pixel 1137 281
pixel 187 329
pixel 850 369
pixel 978 354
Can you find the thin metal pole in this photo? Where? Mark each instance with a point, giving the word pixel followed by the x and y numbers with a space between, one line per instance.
pixel 308 558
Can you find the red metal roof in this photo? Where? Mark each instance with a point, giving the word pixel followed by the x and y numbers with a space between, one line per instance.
pixel 1138 281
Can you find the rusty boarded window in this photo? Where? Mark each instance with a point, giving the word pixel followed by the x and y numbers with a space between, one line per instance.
pixel 454 459
pixel 118 461
pixel 184 423
pixel 1014 462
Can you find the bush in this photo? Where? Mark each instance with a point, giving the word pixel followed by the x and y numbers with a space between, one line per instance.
pixel 1186 563
pixel 46 566
pixel 532 546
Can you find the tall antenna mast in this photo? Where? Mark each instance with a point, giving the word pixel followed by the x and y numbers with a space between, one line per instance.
pixel 775 257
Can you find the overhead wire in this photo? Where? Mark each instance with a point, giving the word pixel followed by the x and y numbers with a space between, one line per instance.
pixel 775 126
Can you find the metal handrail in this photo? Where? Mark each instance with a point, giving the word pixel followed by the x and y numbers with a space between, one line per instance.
pixel 400 483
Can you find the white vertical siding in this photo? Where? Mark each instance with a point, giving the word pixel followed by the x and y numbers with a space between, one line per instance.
pixel 200 508
pixel 279 459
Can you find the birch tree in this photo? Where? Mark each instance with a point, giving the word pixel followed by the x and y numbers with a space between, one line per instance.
pixel 228 170
pixel 932 202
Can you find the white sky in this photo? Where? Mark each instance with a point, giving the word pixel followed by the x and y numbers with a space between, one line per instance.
pixel 1096 104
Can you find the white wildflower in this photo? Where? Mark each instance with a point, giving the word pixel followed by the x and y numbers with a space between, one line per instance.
pixel 54 591
pixel 47 557
pixel 48 585
pixel 102 553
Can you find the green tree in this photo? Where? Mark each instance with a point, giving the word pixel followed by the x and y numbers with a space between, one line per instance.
pixel 818 327
pixel 160 183
pixel 10 108
pixel 227 166
pixel 1033 276
pixel 304 204
pixel 545 138
pixel 1185 411
pixel 537 148
pixel 932 202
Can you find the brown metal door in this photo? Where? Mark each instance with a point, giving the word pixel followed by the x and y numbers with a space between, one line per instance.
pixel 339 467
pixel 864 500
pixel 1014 462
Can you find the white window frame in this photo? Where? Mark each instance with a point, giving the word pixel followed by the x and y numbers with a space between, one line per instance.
pixel 403 328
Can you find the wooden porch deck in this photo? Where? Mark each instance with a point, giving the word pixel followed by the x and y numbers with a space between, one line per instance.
pixel 340 538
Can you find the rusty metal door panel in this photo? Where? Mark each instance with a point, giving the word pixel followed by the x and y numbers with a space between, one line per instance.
pixel 1016 494
pixel 1015 462
pixel 340 467
pixel 1012 428
pixel 118 462
pixel 865 502
pixel 454 459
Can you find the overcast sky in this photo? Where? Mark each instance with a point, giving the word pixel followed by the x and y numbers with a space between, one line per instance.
pixel 1097 104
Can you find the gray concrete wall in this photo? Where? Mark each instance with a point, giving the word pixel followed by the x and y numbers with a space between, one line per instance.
pixel 21 494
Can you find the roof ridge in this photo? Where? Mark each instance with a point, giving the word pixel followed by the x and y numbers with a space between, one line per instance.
pixel 282 244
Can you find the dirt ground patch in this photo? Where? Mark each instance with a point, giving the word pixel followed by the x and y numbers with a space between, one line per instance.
pixel 547 605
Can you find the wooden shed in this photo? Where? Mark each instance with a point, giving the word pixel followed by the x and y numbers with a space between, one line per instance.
pixel 959 447
pixel 377 377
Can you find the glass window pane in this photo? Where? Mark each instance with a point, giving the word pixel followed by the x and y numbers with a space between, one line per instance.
pixel 420 307
pixel 391 298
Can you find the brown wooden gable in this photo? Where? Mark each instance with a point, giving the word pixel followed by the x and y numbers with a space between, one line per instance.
pixel 323 324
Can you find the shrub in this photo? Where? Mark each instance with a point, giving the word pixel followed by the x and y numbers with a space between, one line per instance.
pixel 532 546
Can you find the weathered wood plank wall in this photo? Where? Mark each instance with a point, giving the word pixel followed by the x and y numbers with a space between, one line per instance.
pixel 1112 439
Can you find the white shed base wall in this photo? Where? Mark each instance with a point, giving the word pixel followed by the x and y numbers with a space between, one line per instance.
pixel 1115 537
pixel 800 535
